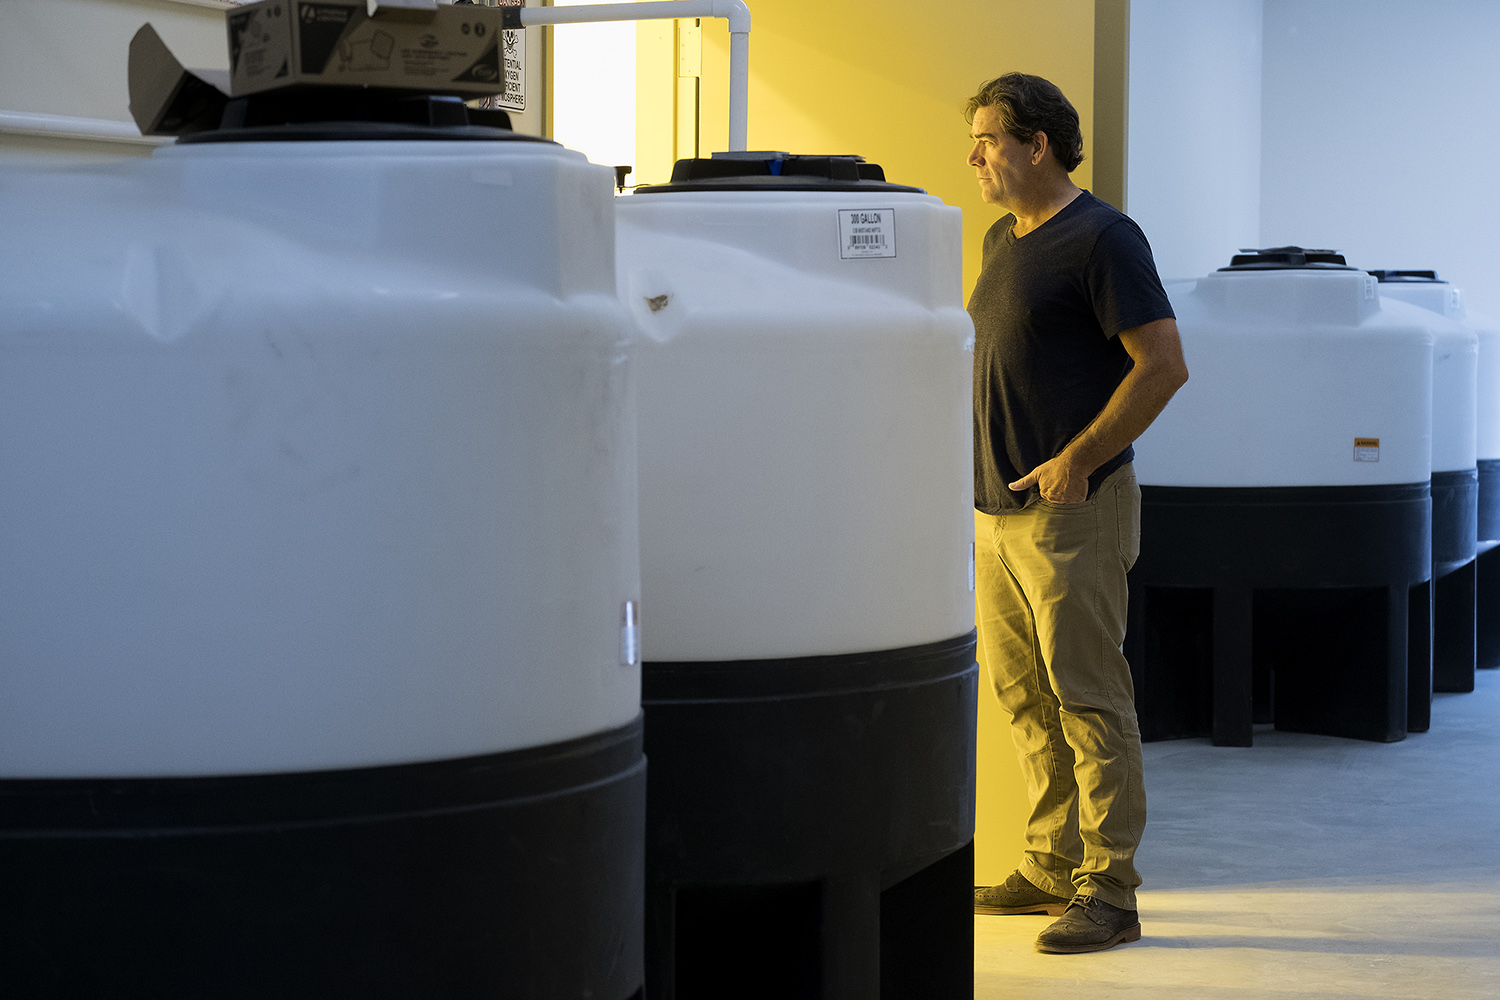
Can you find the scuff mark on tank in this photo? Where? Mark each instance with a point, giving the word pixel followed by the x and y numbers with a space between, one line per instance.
pixel 288 452
pixel 656 303
pixel 158 289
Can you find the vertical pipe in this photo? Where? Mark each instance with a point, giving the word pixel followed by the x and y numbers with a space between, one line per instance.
pixel 739 90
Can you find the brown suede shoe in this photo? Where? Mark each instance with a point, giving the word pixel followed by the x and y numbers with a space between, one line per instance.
pixel 1017 896
pixel 1089 924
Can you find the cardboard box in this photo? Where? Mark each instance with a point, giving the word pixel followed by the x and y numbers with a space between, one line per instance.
pixel 165 98
pixel 414 45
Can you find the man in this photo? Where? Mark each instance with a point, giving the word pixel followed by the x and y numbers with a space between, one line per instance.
pixel 1076 352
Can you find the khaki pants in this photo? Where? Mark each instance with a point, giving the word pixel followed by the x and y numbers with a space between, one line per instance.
pixel 1051 598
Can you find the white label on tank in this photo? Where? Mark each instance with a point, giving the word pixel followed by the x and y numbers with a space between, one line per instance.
pixel 867 232
pixel 1370 284
pixel 1367 449
pixel 630 635
pixel 1455 300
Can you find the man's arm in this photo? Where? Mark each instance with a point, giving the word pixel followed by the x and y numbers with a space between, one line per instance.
pixel 1157 374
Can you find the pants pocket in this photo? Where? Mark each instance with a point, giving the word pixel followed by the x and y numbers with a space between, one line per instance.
pixel 1128 514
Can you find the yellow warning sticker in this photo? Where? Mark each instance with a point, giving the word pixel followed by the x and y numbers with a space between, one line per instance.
pixel 1367 449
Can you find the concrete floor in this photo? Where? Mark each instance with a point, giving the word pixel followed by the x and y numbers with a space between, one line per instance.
pixel 1303 868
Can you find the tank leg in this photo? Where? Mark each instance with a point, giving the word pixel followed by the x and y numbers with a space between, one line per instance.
pixel 661 941
pixel 1487 608
pixel 1419 657
pixel 927 932
pixel 851 937
pixel 1407 681
pixel 1232 666
pixel 1453 651
pixel 1397 653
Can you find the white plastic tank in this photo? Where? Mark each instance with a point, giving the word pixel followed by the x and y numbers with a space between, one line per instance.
pixel 318 524
pixel 1455 366
pixel 1426 289
pixel 305 471
pixel 809 683
pixel 1465 510
pixel 805 366
pixel 1285 509
pixel 1290 367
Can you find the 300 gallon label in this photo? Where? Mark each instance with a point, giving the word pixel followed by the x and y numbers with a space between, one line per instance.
pixel 867 232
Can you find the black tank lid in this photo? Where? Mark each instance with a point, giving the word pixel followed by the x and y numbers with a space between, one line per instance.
pixel 1286 259
pixel 776 171
pixel 1409 277
pixel 320 114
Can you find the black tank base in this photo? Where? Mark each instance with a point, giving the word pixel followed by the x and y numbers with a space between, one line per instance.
pixel 1312 661
pixel 810 826
pixel 1455 635
pixel 510 875
pixel 1455 531
pixel 1487 606
pixel 1488 501
pixel 1487 568
pixel 1307 606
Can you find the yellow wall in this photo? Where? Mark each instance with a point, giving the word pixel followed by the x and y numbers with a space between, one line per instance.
pixel 862 76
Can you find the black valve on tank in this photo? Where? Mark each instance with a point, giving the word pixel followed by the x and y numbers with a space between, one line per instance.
pixel 1284 258
pixel 768 170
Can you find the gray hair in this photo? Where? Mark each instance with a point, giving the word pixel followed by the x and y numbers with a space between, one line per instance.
pixel 1028 105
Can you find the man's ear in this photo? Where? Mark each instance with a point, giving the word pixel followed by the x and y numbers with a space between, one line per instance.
pixel 1039 144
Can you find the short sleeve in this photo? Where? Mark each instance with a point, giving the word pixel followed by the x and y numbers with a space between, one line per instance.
pixel 1123 285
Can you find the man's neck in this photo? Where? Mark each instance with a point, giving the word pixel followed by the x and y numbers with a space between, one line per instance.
pixel 1042 204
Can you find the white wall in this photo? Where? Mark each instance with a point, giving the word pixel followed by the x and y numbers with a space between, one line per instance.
pixel 1381 134
pixel 1193 173
pixel 593 88
pixel 68 59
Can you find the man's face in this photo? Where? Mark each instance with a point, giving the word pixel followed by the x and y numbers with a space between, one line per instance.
pixel 1001 162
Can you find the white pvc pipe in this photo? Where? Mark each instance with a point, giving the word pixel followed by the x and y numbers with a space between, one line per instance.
pixel 733 11
pixel 739 88
pixel 68 127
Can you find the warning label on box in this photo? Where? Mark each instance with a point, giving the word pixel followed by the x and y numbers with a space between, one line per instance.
pixel 1367 449
pixel 867 232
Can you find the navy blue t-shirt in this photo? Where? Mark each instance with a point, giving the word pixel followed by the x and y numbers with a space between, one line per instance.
pixel 1047 310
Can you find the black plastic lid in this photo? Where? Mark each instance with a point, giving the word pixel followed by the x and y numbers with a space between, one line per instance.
pixel 321 114
pixel 776 171
pixel 1286 259
pixel 1409 277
